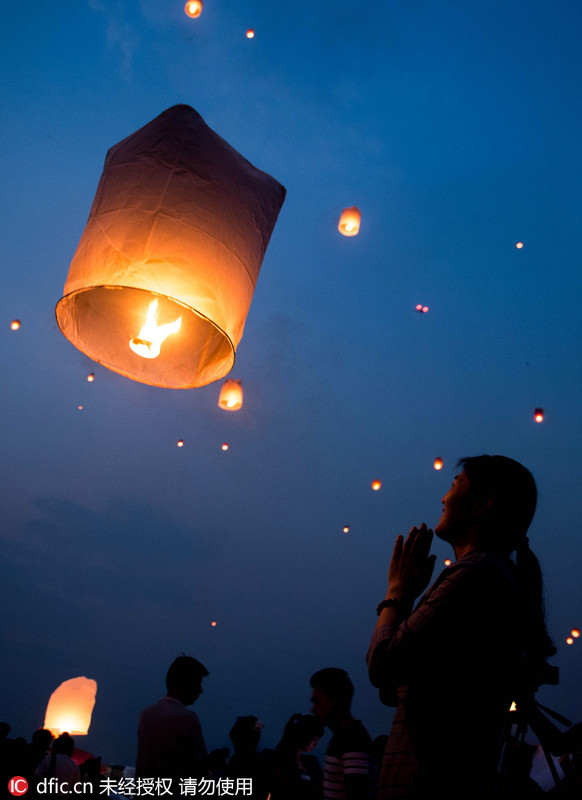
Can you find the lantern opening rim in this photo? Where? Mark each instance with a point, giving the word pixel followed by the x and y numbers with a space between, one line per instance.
pixel 67 298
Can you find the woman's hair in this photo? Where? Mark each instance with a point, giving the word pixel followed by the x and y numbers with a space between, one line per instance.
pixel 299 731
pixel 513 495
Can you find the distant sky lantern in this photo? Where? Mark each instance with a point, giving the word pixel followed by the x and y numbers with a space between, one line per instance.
pixel 346 528
pixel 231 395
pixel 539 415
pixel 575 633
pixel 421 308
pixel 80 408
pixel 91 377
pixel 225 445
pixel 180 443
pixel 376 485
pixel 193 8
pixel 213 623
pixel 447 562
pixel 519 245
pixel 162 279
pixel 438 463
pixel 250 34
pixel 15 324
pixel 569 640
pixel 70 707
pixel 349 223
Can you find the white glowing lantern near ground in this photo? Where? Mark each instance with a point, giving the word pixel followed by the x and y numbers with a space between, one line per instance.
pixel 231 395
pixel 70 707
pixel 349 223
pixel 162 280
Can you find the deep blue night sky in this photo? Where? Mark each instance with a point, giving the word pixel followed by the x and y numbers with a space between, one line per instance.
pixel 455 127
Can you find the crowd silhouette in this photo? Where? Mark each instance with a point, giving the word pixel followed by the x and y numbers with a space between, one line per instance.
pixel 450 662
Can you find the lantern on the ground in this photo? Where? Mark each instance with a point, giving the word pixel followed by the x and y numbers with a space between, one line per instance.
pixel 162 280
pixel 349 223
pixel 193 8
pixel 231 395
pixel 70 706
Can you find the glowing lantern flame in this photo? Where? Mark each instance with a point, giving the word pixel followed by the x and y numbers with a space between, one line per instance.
pixel 180 443
pixel 569 640
pixel 539 415
pixel 519 245
pixel 447 562
pixel 575 633
pixel 376 485
pixel 231 395
pixel 151 336
pixel 70 706
pixel 346 529
pixel 250 33
pixel 438 463
pixel 15 324
pixel 213 623
pixel 91 377
pixel 225 446
pixel 193 8
pixel 513 707
pixel 349 223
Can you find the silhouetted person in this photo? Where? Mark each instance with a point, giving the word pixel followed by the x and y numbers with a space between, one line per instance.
pixel 59 764
pixel 347 765
pixel 474 642
pixel 170 743
pixel 39 746
pixel 298 776
pixel 245 762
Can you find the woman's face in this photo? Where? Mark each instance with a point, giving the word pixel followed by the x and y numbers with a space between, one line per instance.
pixel 312 744
pixel 458 509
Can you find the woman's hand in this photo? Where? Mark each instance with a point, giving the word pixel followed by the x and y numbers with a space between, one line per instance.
pixel 411 566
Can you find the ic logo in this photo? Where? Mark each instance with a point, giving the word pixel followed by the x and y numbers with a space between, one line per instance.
pixel 18 786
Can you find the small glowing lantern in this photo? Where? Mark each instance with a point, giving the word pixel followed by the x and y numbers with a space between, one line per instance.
pixel 438 463
pixel 163 277
pixel 70 706
pixel 180 443
pixel 346 529
pixel 376 485
pixel 15 324
pixel 193 8
pixel 539 415
pixel 575 633
pixel 349 224
pixel 91 377
pixel 447 562
pixel 231 395
pixel 519 245
pixel 80 408
pixel 569 640
pixel 213 623
pixel 225 445
pixel 250 34
pixel 513 706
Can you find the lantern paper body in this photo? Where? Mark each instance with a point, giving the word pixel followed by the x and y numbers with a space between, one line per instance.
pixel 181 217
pixel 349 223
pixel 70 706
pixel 231 395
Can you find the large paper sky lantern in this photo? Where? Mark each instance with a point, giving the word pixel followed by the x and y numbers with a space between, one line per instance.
pixel 162 280
pixel 70 706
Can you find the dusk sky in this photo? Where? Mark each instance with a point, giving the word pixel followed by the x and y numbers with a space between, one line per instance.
pixel 455 126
